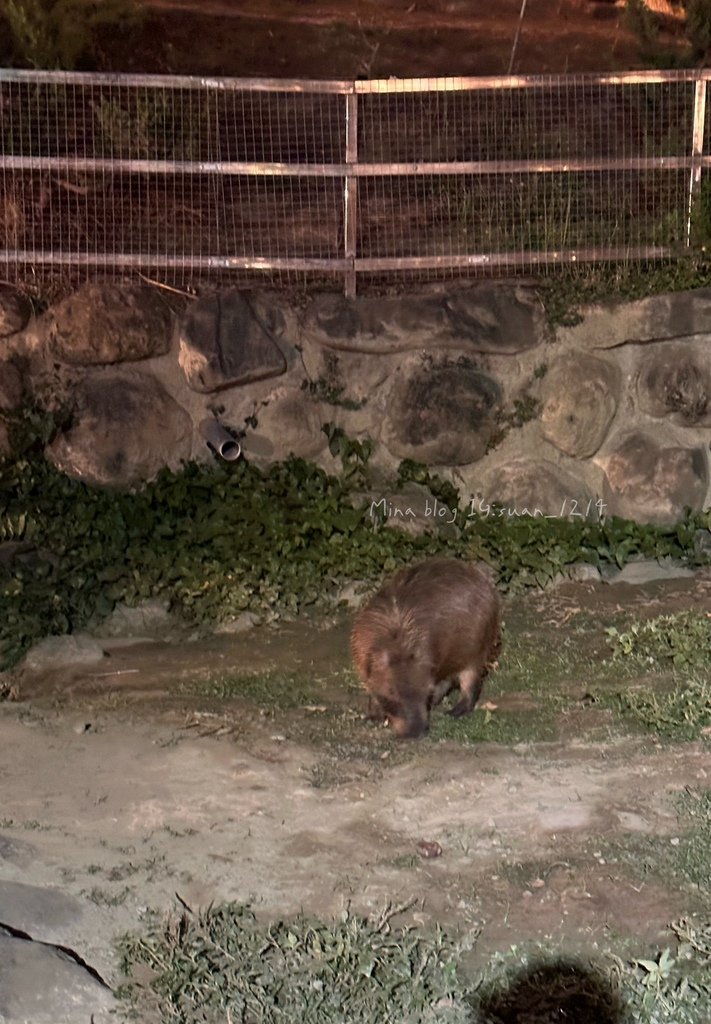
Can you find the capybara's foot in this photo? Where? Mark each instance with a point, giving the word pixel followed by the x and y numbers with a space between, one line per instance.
pixel 462 707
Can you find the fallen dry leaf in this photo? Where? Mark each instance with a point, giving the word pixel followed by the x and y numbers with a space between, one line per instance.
pixel 429 849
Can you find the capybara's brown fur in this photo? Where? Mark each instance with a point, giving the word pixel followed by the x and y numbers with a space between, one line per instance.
pixel 432 626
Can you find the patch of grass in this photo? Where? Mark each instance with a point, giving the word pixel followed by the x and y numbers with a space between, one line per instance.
pixel 535 985
pixel 533 725
pixel 274 689
pixel 405 861
pixel 522 874
pixel 224 965
pixel 682 713
pixel 682 640
pixel 679 644
pixel 570 288
pixel 684 857
pixel 691 857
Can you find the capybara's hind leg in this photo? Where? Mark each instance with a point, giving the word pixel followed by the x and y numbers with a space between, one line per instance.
pixel 470 683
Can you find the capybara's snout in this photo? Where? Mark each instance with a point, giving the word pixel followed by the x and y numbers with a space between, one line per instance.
pixel 406 719
pixel 410 728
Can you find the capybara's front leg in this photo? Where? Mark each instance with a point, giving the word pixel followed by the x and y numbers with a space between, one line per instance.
pixel 375 711
pixel 470 684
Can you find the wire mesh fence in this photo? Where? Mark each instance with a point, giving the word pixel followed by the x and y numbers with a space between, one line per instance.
pixel 277 182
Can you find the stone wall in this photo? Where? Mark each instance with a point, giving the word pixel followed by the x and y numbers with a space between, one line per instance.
pixel 473 383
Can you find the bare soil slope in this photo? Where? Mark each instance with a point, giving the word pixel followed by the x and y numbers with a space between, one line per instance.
pixel 343 39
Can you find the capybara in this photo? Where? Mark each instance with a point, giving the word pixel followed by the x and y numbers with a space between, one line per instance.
pixel 433 625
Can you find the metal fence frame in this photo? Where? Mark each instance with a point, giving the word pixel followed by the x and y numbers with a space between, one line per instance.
pixel 350 264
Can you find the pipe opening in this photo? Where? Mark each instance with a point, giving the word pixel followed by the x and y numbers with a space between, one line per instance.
pixel 220 441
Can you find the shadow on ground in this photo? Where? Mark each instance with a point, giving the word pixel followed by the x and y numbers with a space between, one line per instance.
pixel 551 992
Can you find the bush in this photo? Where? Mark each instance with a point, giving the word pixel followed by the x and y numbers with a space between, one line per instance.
pixel 58 34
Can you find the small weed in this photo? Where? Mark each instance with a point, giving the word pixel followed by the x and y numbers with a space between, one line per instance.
pixel 330 394
pixel 104 898
pixel 354 455
pixel 525 408
pixel 179 833
pixel 405 862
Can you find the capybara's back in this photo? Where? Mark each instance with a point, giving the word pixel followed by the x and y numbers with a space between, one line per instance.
pixel 432 624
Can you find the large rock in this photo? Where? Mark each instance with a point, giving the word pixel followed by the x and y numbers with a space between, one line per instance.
pixel 62 651
pixel 41 984
pixel 41 911
pixel 345 380
pixel 655 318
pixel 652 484
pixel 674 380
pixel 11 390
pixel 580 396
pixel 15 310
pixel 538 488
pixel 126 428
pixel 289 424
pixel 229 339
pixel 485 319
pixel 441 415
pixel 107 323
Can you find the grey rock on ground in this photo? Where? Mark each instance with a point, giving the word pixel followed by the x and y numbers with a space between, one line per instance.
pixel 41 984
pixel 648 571
pixel 56 651
pixel 148 619
pixel 42 981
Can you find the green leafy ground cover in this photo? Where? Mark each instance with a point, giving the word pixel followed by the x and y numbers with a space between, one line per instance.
pixel 680 643
pixel 226 965
pixel 217 540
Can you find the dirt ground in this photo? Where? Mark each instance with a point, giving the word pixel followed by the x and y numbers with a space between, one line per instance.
pixel 149 780
pixel 343 39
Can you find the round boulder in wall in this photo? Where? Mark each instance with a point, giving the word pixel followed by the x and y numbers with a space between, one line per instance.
pixel 126 428
pixel 580 396
pixel 441 415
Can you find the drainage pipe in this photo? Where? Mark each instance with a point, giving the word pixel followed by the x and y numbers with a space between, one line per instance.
pixel 220 440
